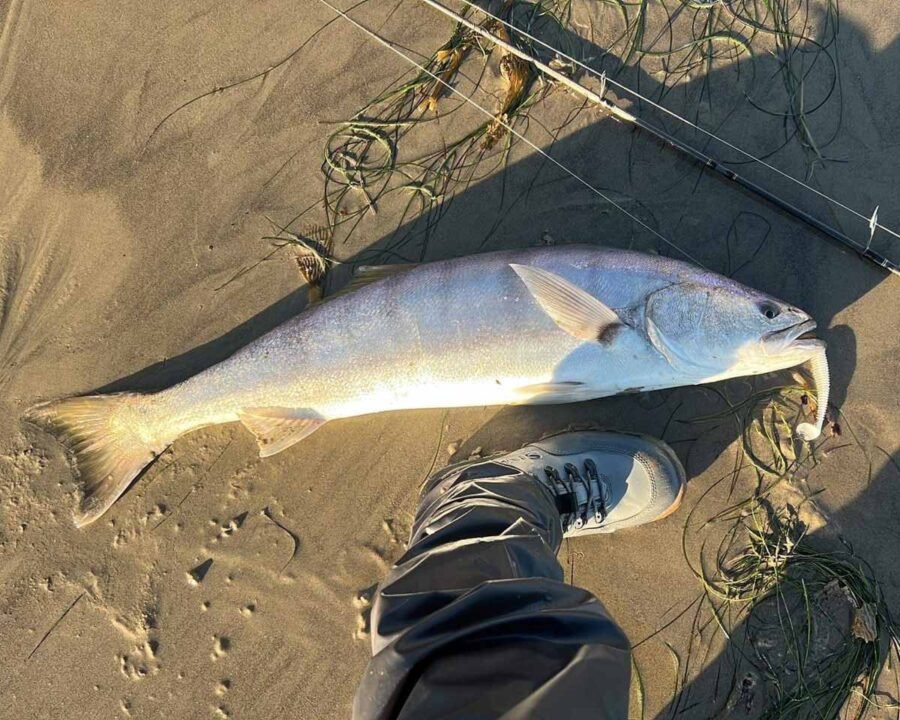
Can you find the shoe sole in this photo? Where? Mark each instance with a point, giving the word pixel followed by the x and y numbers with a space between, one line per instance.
pixel 676 503
pixel 682 476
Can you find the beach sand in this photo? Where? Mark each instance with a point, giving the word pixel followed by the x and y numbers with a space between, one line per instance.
pixel 137 181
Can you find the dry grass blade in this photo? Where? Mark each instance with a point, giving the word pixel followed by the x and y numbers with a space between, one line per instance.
pixel 446 63
pixel 515 74
pixel 312 253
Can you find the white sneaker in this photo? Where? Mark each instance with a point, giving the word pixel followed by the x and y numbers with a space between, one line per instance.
pixel 604 481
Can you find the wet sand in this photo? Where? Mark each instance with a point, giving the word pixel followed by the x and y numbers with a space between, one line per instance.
pixel 131 196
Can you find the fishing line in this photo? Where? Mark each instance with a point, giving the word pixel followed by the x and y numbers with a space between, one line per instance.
pixel 381 41
pixel 603 77
pixel 872 222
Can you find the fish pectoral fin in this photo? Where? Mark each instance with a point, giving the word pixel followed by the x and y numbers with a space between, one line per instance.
pixel 277 428
pixel 577 312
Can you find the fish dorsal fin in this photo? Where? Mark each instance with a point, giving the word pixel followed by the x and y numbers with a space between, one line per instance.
pixel 555 391
pixel 577 312
pixel 278 428
pixel 367 274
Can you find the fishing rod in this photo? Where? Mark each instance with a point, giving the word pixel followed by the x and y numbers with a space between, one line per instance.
pixel 699 156
pixel 872 221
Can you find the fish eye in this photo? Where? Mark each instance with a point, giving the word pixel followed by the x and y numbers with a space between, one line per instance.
pixel 769 310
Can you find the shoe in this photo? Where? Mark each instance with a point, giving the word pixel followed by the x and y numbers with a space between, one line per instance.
pixel 604 481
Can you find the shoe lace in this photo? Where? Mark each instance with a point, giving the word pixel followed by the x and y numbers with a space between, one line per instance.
pixel 595 503
pixel 598 505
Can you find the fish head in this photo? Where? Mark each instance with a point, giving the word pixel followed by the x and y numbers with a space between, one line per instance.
pixel 720 328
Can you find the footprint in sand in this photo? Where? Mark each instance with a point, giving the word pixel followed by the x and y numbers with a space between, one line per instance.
pixel 221 710
pixel 227 529
pixel 141 661
pixel 383 551
pixel 362 601
pixel 197 574
pixel 221 646
pixel 248 609
pixel 395 531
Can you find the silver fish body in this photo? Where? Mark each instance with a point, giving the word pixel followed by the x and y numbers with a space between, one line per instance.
pixel 446 334
pixel 544 325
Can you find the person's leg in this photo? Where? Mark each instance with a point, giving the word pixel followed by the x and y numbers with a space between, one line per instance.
pixel 475 621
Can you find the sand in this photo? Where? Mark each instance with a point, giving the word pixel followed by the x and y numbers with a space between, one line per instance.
pixel 221 585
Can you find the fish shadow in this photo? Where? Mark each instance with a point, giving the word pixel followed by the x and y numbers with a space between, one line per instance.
pixel 170 371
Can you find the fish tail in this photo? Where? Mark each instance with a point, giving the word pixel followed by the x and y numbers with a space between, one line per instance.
pixel 110 441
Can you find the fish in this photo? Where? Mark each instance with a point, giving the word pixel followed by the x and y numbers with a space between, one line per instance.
pixel 554 324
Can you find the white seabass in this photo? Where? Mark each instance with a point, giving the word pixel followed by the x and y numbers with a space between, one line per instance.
pixel 546 325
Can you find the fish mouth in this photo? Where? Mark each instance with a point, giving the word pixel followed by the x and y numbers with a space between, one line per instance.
pixel 797 336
